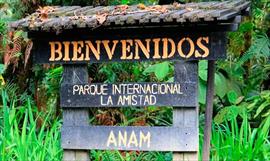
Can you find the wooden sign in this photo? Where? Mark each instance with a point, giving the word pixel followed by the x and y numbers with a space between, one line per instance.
pixel 144 36
pixel 129 94
pixel 130 138
pixel 116 47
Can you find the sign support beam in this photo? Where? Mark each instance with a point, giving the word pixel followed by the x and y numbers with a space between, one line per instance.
pixel 75 117
pixel 182 116
pixel 209 110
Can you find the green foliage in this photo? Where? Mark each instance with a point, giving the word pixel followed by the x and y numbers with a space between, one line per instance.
pixel 129 156
pixel 113 72
pixel 2 27
pixel 260 48
pixel 132 72
pixel 234 141
pixel 223 83
pixel 2 69
pixel 21 139
pixel 241 109
pixel 161 70
pixel 232 97
pixel 257 107
pixel 52 80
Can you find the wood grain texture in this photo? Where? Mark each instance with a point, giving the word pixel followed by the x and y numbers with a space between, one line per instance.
pixel 130 138
pixel 216 45
pixel 186 117
pixel 79 117
pixel 129 94
pixel 133 15
pixel 209 110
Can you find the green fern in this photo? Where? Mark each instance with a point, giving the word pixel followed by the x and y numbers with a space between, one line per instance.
pixel 260 48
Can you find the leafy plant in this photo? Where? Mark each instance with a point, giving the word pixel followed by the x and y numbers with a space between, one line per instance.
pixel 223 83
pixel 160 70
pixel 19 137
pixel 130 156
pixel 260 48
pixel 256 107
pixel 241 128
pixel 231 141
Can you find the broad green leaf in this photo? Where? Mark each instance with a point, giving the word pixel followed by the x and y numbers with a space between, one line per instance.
pixel 232 97
pixel 149 69
pixel 202 92
pixel 162 70
pixel 203 74
pixel 220 116
pixel 203 65
pixel 234 86
pixel 227 114
pixel 220 85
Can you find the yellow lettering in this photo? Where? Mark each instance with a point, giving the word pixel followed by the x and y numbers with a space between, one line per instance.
pixel 54 51
pixel 144 139
pixel 145 50
pixel 77 51
pixel 126 48
pixel 122 139
pixel 111 139
pixel 66 55
pixel 95 51
pixel 133 140
pixel 109 51
pixel 203 47
pixel 131 49
pixel 156 48
pixel 165 48
pixel 191 50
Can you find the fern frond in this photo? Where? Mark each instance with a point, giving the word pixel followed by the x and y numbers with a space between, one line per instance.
pixel 259 48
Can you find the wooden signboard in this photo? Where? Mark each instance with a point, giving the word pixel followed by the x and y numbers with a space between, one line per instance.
pixel 130 138
pixel 129 94
pixel 75 36
pixel 146 46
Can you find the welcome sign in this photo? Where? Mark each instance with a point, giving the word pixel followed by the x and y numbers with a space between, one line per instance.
pixel 182 34
pixel 95 49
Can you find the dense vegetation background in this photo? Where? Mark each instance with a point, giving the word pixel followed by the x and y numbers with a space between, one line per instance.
pixel 30 118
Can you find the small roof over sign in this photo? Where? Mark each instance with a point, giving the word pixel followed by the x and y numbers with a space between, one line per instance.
pixel 57 18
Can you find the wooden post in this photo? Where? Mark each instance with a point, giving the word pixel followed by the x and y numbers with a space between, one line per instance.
pixel 75 117
pixel 209 110
pixel 186 117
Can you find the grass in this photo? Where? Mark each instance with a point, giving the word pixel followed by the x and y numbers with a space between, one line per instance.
pixel 234 142
pixel 22 140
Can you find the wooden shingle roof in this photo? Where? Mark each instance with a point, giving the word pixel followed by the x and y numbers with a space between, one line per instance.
pixel 68 17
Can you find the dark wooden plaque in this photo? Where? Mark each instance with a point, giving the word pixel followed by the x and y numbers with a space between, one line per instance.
pixel 130 138
pixel 116 46
pixel 129 94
